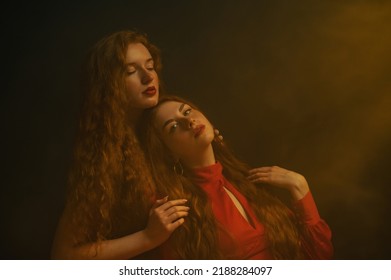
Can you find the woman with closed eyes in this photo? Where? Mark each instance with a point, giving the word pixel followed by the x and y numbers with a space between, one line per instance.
pixel 112 211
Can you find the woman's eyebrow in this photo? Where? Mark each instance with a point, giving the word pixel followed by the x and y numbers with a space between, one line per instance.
pixel 171 120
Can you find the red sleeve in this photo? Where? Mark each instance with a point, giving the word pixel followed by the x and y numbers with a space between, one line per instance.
pixel 316 238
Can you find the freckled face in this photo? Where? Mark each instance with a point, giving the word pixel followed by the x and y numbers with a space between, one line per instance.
pixel 185 130
pixel 141 79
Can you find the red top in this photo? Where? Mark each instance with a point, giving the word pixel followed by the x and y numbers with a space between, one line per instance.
pixel 240 239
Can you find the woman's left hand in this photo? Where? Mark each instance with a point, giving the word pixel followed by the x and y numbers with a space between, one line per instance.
pixel 294 182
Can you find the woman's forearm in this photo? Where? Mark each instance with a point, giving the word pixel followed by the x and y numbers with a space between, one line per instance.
pixel 125 247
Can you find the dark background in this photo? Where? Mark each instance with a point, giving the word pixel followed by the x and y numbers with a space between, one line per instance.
pixel 305 85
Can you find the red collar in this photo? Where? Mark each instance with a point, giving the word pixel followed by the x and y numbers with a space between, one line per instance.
pixel 207 175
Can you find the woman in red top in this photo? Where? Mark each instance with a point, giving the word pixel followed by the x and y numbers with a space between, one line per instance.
pixel 110 190
pixel 229 217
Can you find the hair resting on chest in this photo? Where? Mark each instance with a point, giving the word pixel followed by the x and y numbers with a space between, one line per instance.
pixel 197 237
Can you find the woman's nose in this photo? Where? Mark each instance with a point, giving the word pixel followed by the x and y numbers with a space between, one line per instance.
pixel 188 123
pixel 191 123
pixel 147 77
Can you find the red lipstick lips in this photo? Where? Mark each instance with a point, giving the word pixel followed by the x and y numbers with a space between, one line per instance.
pixel 150 91
pixel 199 130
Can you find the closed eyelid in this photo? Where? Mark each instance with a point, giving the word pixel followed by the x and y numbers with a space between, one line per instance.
pixel 130 68
pixel 150 62
pixel 147 63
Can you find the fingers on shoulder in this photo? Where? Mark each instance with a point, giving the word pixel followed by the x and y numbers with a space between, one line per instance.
pixel 261 174
pixel 264 169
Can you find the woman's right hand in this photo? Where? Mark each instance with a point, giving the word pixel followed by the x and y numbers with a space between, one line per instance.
pixel 165 217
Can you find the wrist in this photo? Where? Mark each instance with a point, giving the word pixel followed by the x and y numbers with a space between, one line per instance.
pixel 149 241
pixel 300 188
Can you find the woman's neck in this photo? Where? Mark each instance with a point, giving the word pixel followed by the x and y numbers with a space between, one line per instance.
pixel 201 159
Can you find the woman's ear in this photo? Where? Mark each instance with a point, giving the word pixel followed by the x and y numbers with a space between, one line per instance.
pixel 174 157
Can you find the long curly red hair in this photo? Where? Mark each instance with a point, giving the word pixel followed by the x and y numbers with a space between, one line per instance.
pixel 110 190
pixel 196 238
